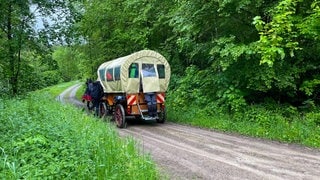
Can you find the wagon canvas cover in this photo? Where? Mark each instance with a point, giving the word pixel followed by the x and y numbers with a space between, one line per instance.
pixel 144 70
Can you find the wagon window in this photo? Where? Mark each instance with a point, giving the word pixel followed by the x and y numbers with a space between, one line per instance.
pixel 109 74
pixel 161 71
pixel 134 70
pixel 148 70
pixel 101 73
pixel 117 73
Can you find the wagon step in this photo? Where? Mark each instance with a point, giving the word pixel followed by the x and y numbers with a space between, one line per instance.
pixel 145 111
pixel 148 118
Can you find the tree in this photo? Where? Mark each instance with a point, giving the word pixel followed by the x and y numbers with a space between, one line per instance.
pixel 116 28
pixel 68 60
pixel 18 34
pixel 288 45
pixel 243 50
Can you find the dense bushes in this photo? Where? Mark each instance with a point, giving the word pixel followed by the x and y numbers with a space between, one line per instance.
pixel 205 89
pixel 240 52
pixel 42 139
pixel 34 79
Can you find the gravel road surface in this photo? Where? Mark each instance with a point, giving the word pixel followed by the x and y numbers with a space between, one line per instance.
pixel 184 152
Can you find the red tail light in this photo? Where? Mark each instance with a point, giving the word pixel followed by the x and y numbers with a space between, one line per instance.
pixel 129 109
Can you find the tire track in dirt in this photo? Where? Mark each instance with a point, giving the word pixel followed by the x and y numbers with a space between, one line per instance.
pixel 184 152
pixel 240 157
pixel 69 95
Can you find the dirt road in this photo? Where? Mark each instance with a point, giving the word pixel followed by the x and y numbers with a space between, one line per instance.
pixel 183 152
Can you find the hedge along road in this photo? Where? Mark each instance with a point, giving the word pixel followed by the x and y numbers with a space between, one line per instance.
pixel 184 152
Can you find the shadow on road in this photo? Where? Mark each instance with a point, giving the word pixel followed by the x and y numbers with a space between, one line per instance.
pixel 139 122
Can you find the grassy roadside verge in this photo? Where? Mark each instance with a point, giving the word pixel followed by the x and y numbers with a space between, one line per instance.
pixel 41 139
pixel 81 91
pixel 281 124
pixel 57 89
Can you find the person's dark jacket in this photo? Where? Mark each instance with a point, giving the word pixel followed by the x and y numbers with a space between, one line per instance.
pixel 97 91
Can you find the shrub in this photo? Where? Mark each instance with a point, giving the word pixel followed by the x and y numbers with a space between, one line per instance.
pixel 313 118
pixel 201 88
pixel 51 78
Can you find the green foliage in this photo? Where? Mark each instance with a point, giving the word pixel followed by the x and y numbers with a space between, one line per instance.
pixel 232 57
pixel 42 139
pixel 81 91
pixel 247 47
pixel 225 55
pixel 36 74
pixel 51 77
pixel 58 89
pixel 309 26
pixel 117 28
pixel 4 89
pixel 308 87
pixel 68 60
pixel 280 34
pixel 229 52
pixel 283 48
pixel 202 88
pixel 217 37
pixel 22 37
pixel 313 118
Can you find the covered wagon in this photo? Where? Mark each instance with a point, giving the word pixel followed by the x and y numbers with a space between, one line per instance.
pixel 134 87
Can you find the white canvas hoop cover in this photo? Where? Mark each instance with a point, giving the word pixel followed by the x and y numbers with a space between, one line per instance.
pixel 117 71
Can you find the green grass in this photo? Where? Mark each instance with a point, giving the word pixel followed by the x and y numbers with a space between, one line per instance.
pixel 57 89
pixel 81 91
pixel 42 139
pixel 256 121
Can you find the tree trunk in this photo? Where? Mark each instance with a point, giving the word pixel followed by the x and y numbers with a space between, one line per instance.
pixel 13 78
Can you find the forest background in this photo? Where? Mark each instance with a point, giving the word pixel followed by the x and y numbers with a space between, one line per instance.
pixel 253 63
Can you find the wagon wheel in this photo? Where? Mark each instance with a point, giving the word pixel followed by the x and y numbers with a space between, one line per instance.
pixel 162 115
pixel 119 116
pixel 103 110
